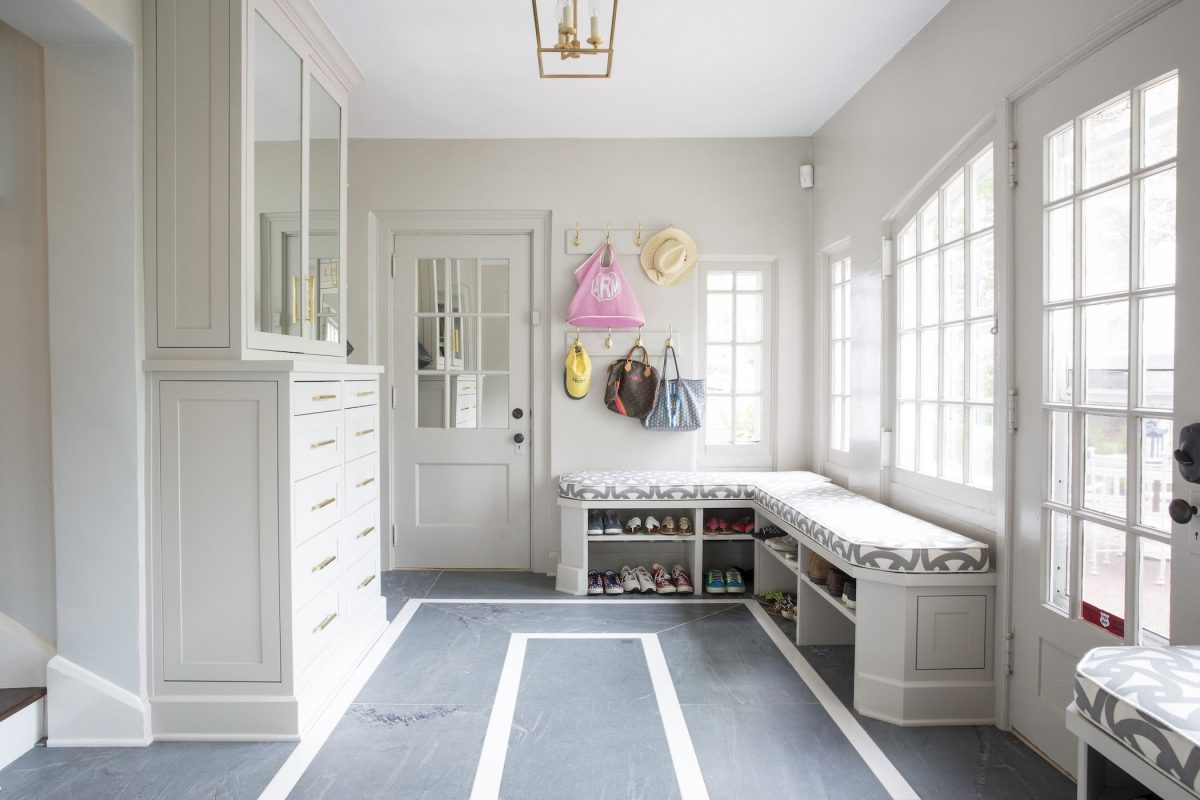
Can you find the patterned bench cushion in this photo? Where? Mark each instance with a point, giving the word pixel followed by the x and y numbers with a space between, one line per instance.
pixel 863 532
pixel 1148 699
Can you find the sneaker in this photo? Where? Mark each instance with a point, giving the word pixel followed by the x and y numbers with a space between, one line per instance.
pixel 662 581
pixel 836 582
pixel 783 545
pixel 595 583
pixel 595 522
pixel 645 580
pixel 714 582
pixel 734 583
pixel 629 580
pixel 612 525
pixel 612 584
pixel 850 594
pixel 787 609
pixel 768 532
pixel 683 583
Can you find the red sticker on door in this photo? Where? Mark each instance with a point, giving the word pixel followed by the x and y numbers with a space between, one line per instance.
pixel 1103 619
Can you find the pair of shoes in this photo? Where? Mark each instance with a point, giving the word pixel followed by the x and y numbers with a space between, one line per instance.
pixel 818 569
pixel 684 528
pixel 717 525
pixel 850 594
pixel 603 523
pixel 768 532
pixel 650 527
pixel 785 546
pixel 836 582
pixel 777 603
pixel 728 582
pixel 744 525
pixel 657 580
pixel 605 582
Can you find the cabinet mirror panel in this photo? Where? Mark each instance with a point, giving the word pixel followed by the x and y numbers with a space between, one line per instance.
pixel 280 305
pixel 324 216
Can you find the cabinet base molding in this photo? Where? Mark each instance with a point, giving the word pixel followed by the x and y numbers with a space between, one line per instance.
pixel 86 710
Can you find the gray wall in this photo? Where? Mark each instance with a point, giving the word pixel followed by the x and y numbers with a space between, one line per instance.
pixel 735 196
pixel 26 510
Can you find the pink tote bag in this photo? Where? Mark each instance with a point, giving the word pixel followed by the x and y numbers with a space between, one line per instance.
pixel 604 298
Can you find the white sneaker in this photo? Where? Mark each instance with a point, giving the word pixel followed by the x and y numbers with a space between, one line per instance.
pixel 645 580
pixel 629 579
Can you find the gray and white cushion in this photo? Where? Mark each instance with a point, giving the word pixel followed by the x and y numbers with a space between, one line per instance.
pixel 1148 699
pixel 863 532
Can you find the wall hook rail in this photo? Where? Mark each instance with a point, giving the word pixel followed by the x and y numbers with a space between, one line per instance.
pixel 577 241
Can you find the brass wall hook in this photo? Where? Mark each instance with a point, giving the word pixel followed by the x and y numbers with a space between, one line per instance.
pixel 608 234
pixel 577 342
pixel 577 241
pixel 637 240
pixel 608 340
pixel 638 343
pixel 670 335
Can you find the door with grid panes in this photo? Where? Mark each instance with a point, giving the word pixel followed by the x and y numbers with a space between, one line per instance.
pixel 1103 385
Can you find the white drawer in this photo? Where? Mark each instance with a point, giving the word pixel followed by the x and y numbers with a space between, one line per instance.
pixel 362 431
pixel 362 584
pixel 317 625
pixel 309 397
pixel 317 503
pixel 362 393
pixel 318 443
pixel 362 481
pixel 316 564
pixel 360 532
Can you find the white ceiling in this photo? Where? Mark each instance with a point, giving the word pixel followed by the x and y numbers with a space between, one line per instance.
pixel 466 69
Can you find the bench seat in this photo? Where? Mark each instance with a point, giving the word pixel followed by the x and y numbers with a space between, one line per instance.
pixel 861 531
pixel 1148 699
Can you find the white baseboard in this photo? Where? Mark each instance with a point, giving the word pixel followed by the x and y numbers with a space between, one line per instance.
pixel 86 710
pixel 572 580
pixel 914 704
pixel 23 655
pixel 22 731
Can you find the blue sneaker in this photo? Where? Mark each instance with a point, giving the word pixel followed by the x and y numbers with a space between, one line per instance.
pixel 734 583
pixel 714 582
pixel 611 583
pixel 595 584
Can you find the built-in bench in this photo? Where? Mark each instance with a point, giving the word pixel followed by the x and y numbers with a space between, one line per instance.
pixel 923 625
pixel 1138 709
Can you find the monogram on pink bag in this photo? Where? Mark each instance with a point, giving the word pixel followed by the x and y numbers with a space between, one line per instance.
pixel 604 299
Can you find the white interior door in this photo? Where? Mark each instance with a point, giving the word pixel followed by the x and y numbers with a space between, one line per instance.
pixel 461 361
pixel 1103 384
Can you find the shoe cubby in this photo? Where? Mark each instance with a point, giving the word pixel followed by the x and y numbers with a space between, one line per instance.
pixel 728 523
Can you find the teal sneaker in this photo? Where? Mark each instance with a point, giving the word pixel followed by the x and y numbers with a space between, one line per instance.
pixel 734 583
pixel 714 582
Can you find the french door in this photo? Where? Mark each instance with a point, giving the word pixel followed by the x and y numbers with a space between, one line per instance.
pixel 461 424
pixel 1105 361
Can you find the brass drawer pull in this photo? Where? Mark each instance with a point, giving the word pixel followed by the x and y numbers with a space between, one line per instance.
pixel 366 394
pixel 366 581
pixel 295 299
pixel 324 503
pixel 366 532
pixel 361 484
pixel 324 563
pixel 319 397
pixel 366 432
pixel 325 623
pixel 325 443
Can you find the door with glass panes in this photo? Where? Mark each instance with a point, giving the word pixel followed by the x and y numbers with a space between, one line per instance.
pixel 460 365
pixel 1103 365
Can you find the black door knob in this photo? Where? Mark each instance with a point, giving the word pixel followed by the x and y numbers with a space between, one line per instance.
pixel 518 438
pixel 1181 511
pixel 518 413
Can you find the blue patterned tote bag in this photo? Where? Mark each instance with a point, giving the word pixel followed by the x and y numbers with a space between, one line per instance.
pixel 680 404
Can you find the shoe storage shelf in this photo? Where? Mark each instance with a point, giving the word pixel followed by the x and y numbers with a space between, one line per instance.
pixel 696 552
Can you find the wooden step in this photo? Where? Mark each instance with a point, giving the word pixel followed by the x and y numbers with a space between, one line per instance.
pixel 13 700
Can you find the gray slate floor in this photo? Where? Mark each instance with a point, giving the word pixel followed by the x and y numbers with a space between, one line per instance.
pixel 586 725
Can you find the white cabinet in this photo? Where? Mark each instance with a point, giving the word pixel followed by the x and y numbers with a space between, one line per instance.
pixel 264 543
pixel 245 184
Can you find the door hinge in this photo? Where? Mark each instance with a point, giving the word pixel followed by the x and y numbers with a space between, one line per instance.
pixel 393 534
pixel 1012 410
pixel 392 392
pixel 1012 164
pixel 393 268
pixel 1008 653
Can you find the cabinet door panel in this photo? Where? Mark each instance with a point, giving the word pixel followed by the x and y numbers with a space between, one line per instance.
pixel 219 530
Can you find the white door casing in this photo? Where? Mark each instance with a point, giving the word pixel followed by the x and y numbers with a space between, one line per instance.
pixel 1049 635
pixel 461 480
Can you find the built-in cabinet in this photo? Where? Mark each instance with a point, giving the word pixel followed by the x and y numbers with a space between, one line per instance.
pixel 245 179
pixel 264 543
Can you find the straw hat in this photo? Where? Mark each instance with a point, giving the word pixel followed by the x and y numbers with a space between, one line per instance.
pixel 669 257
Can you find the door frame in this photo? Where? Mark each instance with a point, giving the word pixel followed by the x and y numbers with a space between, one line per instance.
pixel 382 227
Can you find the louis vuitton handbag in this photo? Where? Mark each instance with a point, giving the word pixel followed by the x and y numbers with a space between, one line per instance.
pixel 631 388
pixel 680 405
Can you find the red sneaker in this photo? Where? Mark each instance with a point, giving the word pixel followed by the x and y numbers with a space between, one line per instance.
pixel 683 584
pixel 662 581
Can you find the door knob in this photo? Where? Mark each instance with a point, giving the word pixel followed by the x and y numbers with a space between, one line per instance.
pixel 519 438
pixel 1181 511
pixel 518 413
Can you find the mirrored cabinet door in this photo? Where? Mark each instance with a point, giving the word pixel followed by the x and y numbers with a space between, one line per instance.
pixel 324 278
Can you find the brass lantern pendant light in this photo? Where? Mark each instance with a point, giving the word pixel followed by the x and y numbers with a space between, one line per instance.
pixel 566 49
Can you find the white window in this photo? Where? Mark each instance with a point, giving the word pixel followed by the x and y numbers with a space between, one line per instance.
pixel 736 325
pixel 945 338
pixel 1109 328
pixel 839 356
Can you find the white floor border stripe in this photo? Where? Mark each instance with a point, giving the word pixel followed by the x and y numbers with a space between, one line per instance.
pixel 893 782
pixel 490 772
pixel 314 739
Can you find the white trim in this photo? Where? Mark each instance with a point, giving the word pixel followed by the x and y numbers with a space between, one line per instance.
pixel 80 704
pixel 23 654
pixel 21 731
pixel 828 459
pixel 679 741
pixel 489 771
